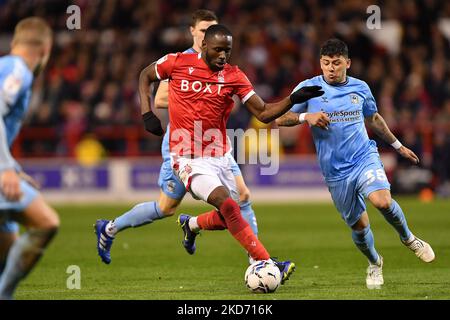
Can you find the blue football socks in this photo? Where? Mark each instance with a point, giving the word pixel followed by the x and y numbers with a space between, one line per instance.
pixel 140 214
pixel 249 215
pixel 394 215
pixel 363 239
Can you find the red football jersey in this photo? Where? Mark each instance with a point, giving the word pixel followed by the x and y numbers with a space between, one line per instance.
pixel 200 102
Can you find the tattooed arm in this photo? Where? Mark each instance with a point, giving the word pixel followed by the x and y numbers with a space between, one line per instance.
pixel 289 119
pixel 379 126
pixel 318 119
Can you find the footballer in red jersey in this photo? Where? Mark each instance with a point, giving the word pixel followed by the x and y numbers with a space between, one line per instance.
pixel 201 88
pixel 202 102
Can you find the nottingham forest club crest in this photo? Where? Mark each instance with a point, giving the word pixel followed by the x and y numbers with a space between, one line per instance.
pixel 220 77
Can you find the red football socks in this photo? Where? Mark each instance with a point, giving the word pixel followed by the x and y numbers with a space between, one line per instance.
pixel 241 230
pixel 211 221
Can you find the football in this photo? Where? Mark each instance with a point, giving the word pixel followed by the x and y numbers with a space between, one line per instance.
pixel 262 277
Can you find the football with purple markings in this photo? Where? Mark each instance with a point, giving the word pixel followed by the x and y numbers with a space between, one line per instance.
pixel 262 277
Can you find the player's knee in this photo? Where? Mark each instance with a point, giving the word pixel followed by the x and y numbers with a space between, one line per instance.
pixel 49 226
pixel 382 202
pixel 48 219
pixel 167 205
pixel 244 195
pixel 229 208
pixel 51 221
pixel 39 215
pixel 218 197
pixel 360 225
pixel 167 209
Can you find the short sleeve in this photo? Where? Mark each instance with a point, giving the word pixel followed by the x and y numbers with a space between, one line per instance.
pixel 244 89
pixel 165 65
pixel 12 80
pixel 299 107
pixel 370 105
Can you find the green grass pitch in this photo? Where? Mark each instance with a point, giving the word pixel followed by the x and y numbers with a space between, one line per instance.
pixel 150 263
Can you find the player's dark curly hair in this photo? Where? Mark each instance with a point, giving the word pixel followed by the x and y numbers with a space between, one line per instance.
pixel 334 47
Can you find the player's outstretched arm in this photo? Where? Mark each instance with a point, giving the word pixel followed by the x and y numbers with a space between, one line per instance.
pixel 151 121
pixel 379 126
pixel 290 119
pixel 267 112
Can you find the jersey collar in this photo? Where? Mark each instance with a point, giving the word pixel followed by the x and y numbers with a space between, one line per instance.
pixel 190 50
pixel 337 84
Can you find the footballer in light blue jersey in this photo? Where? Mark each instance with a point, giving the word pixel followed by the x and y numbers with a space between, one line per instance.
pixel 16 80
pixel 19 200
pixel 15 83
pixel 346 143
pixel 349 160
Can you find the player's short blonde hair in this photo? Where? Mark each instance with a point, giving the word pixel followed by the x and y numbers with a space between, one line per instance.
pixel 32 31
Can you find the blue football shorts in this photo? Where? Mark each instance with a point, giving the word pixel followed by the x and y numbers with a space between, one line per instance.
pixel 9 208
pixel 234 166
pixel 349 194
pixel 169 183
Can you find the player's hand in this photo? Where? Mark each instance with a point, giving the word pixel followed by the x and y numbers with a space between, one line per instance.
pixel 30 180
pixel 152 123
pixel 318 119
pixel 408 154
pixel 305 93
pixel 10 185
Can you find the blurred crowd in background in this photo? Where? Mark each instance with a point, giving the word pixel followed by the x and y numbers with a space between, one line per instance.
pixel 88 93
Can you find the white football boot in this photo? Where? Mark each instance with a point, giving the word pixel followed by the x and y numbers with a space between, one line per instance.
pixel 420 248
pixel 374 279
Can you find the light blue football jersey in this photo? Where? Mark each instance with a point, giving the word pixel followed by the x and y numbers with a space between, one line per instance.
pixel 345 143
pixel 15 93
